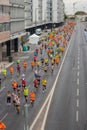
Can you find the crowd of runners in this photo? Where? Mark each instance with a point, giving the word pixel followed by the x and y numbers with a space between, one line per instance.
pixel 45 59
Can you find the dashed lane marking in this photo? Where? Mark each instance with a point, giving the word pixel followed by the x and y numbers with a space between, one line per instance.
pixel 77 116
pixel 78 62
pixel 77 81
pixel 77 92
pixel 78 67
pixel 77 102
pixel 78 73
pixel 49 97
pixel 78 58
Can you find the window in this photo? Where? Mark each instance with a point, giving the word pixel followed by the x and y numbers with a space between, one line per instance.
pixel 4 27
pixel 6 10
pixel 1 28
pixel 7 27
pixel 0 9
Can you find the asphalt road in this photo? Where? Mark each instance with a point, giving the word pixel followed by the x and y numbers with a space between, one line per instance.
pixel 68 109
pixel 63 106
pixel 8 113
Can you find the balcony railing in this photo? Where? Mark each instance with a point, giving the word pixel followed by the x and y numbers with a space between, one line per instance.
pixel 4 2
pixel 4 36
pixel 4 18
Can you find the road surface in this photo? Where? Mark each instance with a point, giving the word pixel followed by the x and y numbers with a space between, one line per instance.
pixel 63 106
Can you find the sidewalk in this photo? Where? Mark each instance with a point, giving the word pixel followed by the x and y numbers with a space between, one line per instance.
pixel 5 65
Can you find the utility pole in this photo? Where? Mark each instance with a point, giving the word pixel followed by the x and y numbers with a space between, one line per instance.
pixel 26 114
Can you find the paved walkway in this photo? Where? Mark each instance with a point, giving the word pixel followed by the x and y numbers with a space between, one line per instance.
pixel 5 65
pixel 15 56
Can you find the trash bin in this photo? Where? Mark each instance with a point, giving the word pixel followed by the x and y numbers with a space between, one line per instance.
pixel 10 58
pixel 39 42
pixel 28 47
pixel 25 48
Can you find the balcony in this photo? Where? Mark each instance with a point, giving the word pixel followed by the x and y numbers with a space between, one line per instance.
pixel 4 18
pixel 28 1
pixel 4 36
pixel 4 2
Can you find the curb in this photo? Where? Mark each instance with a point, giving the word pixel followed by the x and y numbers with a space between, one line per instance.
pixel 9 64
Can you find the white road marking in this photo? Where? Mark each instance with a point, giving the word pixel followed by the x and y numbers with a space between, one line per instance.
pixel 78 62
pixel 77 92
pixel 2 89
pixel 78 67
pixel 52 91
pixel 4 117
pixel 78 58
pixel 77 81
pixel 78 73
pixel 77 116
pixel 36 118
pixel 77 102
pixel 78 48
pixel 49 97
pixel 78 54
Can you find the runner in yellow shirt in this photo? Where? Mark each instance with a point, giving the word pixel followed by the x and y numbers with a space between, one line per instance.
pixel 44 83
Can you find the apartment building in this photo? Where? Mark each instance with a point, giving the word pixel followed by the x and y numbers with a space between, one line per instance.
pixel 28 13
pixel 17 22
pixel 12 26
pixel 49 11
pixel 54 12
pixel 61 9
pixel 40 11
pixel 4 29
pixel 37 12
pixel 18 16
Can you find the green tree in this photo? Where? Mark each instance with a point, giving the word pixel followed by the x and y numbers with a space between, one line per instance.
pixel 80 13
pixel 65 16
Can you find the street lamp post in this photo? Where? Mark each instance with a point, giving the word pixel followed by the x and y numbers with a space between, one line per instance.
pixel 26 114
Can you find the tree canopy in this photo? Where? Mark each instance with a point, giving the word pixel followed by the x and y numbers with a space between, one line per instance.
pixel 80 13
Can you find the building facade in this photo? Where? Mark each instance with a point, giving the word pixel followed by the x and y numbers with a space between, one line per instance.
pixel 28 13
pixel 37 12
pixel 19 16
pixel 17 22
pixel 61 9
pixel 4 29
